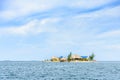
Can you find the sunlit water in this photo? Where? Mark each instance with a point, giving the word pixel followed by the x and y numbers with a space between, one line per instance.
pixel 59 71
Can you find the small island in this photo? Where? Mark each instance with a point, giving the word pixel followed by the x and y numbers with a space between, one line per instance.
pixel 73 58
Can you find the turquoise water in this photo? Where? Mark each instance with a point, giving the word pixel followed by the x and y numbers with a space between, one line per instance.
pixel 59 71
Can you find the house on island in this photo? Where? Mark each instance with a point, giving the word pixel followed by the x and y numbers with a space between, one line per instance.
pixel 75 57
pixel 62 59
pixel 72 58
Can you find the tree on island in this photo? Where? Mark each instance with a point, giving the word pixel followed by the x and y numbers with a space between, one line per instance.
pixel 69 57
pixel 91 57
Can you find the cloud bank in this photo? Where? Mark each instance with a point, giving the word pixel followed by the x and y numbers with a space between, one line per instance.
pixel 57 27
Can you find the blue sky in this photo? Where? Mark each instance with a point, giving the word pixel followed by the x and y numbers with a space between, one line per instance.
pixel 40 29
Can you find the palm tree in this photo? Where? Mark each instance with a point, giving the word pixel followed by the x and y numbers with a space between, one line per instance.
pixel 69 57
pixel 91 57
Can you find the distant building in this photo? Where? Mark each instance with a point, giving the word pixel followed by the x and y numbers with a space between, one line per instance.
pixel 72 58
pixel 75 57
pixel 63 60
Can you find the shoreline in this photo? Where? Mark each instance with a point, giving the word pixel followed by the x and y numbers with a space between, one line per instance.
pixel 72 61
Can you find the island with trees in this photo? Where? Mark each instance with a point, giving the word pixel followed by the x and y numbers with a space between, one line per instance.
pixel 73 58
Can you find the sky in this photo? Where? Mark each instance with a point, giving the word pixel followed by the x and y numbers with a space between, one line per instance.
pixel 40 29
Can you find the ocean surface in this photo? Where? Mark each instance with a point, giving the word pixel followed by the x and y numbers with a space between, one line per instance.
pixel 35 70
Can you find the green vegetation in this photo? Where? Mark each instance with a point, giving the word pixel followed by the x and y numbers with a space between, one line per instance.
pixel 69 57
pixel 73 58
pixel 91 57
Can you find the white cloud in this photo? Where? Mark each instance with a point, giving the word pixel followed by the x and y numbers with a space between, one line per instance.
pixel 78 33
pixel 114 33
pixel 29 27
pixel 32 27
pixel 89 4
pixel 7 15
pixel 103 13
pixel 49 20
pixel 19 8
pixel 113 47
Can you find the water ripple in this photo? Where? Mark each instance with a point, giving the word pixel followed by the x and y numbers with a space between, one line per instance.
pixel 59 71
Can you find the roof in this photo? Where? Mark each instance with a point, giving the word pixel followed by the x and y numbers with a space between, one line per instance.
pixel 75 56
pixel 61 57
pixel 84 56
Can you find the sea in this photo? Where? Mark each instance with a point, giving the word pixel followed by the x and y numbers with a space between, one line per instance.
pixel 37 70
